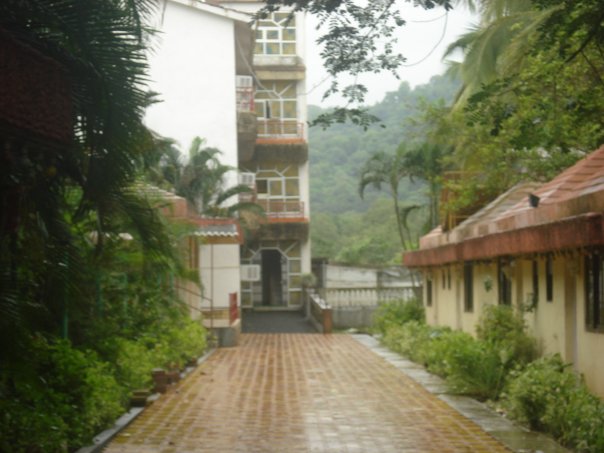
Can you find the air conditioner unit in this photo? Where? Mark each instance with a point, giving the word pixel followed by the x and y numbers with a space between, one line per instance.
pixel 244 81
pixel 247 179
pixel 250 273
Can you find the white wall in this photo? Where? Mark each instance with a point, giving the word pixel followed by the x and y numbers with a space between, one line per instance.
pixel 220 274
pixel 193 69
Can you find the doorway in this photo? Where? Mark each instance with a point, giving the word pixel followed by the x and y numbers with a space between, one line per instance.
pixel 272 278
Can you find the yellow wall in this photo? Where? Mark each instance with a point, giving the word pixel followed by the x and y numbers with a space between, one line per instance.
pixel 590 345
pixel 559 325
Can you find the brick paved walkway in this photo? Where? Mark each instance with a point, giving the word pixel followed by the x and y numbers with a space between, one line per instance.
pixel 300 393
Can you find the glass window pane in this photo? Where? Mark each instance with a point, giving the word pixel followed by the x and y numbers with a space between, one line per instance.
pixel 289 34
pixel 292 188
pixel 290 91
pixel 294 252
pixel 291 170
pixel 275 109
pixel 289 49
pixel 295 281
pixel 261 185
pixel 259 34
pixel 289 109
pixel 275 188
pixel 295 267
pixel 266 23
pixel 259 49
pixel 272 34
pixel 280 87
pixel 259 107
pixel 272 48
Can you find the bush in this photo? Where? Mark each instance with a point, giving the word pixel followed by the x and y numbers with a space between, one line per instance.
pixel 476 369
pixel 181 342
pixel 59 401
pixel 171 347
pixel 134 362
pixel 443 344
pixel 549 397
pixel 409 339
pixel 397 313
pixel 504 329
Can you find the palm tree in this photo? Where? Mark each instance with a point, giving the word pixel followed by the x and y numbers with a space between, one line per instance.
pixel 202 181
pixel 425 162
pixel 498 45
pixel 65 191
pixel 385 171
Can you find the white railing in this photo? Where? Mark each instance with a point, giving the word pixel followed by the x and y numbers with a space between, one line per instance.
pixel 245 93
pixel 280 128
pixel 279 209
pixel 366 297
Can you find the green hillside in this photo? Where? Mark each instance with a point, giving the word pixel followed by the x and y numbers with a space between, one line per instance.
pixel 345 227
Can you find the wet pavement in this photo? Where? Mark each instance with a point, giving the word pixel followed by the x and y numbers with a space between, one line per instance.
pixel 275 322
pixel 301 393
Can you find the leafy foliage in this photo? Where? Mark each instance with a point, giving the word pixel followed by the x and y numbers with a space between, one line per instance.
pixel 397 313
pixel 70 396
pixel 357 39
pixel 478 367
pixel 532 95
pixel 504 329
pixel 84 253
pixel 548 396
pixel 356 231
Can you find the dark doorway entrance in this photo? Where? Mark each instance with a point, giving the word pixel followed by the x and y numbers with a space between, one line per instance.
pixel 272 278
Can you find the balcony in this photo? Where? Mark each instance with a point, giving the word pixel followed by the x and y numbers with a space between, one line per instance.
pixel 283 210
pixel 246 118
pixel 279 129
pixel 244 86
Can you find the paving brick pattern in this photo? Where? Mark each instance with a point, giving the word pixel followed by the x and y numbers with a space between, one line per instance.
pixel 300 393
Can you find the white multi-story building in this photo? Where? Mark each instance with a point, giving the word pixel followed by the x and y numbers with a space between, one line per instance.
pixel 199 56
pixel 247 99
pixel 280 249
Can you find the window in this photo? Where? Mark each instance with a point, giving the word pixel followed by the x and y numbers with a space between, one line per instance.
pixel 276 35
pixel 594 298
pixel 468 283
pixel 535 282
pixel 448 278
pixel 549 279
pixel 429 292
pixel 276 106
pixel 504 281
pixel 443 279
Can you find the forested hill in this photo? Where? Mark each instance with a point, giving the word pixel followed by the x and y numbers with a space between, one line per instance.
pixel 340 218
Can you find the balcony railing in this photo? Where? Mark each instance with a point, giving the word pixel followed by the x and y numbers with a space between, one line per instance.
pixel 282 209
pixel 275 128
pixel 245 94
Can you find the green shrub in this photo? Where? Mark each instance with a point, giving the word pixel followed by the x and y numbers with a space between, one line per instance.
pixel 549 397
pixel 477 369
pixel 60 401
pixel 504 329
pixel 181 342
pixel 134 362
pixel 409 339
pixel 443 344
pixel 397 313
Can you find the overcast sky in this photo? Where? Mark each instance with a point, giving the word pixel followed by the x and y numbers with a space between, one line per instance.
pixel 416 40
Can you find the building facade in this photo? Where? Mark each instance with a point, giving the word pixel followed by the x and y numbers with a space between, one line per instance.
pixel 539 248
pixel 277 254
pixel 240 84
